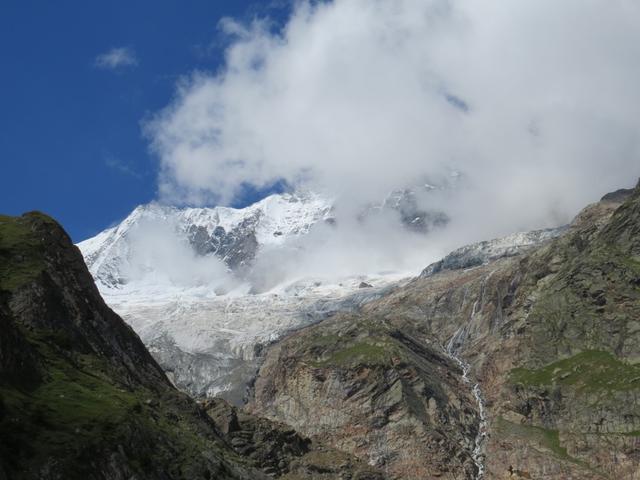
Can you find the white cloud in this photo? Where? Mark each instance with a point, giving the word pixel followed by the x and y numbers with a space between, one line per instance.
pixel 535 102
pixel 160 256
pixel 116 58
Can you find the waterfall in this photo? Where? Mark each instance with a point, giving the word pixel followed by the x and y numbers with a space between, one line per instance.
pixel 451 350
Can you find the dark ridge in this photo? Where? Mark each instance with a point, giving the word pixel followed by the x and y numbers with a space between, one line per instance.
pixel 618 196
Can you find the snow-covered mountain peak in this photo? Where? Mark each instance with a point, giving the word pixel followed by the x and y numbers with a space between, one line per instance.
pixel 234 235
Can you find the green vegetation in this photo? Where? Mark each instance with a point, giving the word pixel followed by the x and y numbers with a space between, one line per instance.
pixel 79 413
pixel 326 340
pixel 590 370
pixel 349 349
pixel 21 252
pixel 69 410
pixel 547 439
pixel 344 345
pixel 363 352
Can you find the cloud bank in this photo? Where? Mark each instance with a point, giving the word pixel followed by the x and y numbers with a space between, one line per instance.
pixel 116 59
pixel 535 102
pixel 160 256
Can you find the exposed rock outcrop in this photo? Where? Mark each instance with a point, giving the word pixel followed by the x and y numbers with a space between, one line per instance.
pixel 390 396
pixel 281 451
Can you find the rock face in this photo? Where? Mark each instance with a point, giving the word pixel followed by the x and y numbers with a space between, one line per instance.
pixel 280 451
pixel 550 334
pixel 390 396
pixel 405 204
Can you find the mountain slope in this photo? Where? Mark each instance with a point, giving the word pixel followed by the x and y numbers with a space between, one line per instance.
pixel 80 397
pixel 383 393
pixel 549 335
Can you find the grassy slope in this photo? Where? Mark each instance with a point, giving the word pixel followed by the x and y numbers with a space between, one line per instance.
pixel 590 370
pixel 21 254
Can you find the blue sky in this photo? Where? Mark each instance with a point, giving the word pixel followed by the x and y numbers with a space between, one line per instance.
pixel 70 137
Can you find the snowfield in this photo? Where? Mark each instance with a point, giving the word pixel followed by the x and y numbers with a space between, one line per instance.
pixel 210 344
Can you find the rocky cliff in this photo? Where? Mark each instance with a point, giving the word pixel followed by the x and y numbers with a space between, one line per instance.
pixel 282 452
pixel 540 348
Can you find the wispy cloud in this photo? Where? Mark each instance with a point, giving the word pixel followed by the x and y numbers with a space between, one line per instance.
pixel 116 59
pixel 119 166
